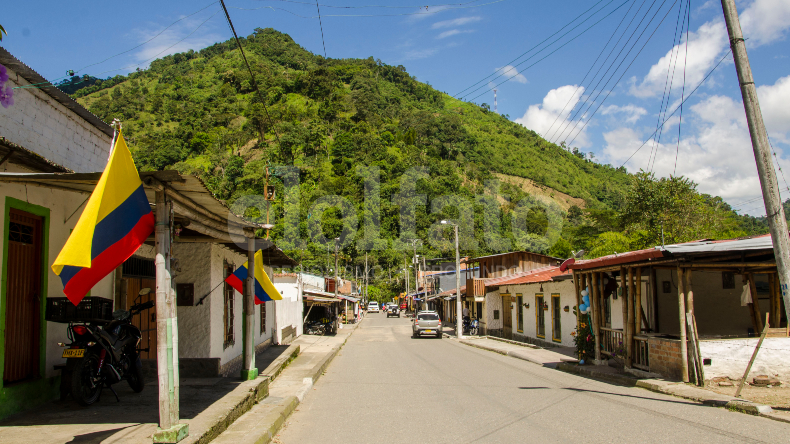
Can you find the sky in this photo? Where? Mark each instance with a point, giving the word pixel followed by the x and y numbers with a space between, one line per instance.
pixel 594 74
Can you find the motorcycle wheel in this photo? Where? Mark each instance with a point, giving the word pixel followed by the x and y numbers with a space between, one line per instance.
pixel 83 389
pixel 136 378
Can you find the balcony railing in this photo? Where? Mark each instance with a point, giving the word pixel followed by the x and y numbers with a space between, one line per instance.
pixel 475 287
pixel 611 341
pixel 641 353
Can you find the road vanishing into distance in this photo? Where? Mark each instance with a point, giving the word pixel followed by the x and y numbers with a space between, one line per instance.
pixel 384 386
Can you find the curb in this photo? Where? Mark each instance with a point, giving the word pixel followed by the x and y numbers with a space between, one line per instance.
pixel 513 354
pixel 219 418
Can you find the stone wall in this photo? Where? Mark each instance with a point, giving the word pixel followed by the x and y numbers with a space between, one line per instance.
pixel 41 124
pixel 665 358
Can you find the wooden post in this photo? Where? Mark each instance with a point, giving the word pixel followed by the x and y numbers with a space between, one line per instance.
pixel 629 336
pixel 577 287
pixel 654 302
pixel 684 355
pixel 771 298
pixel 596 316
pixel 777 295
pixel 754 355
pixel 166 332
pixel 249 371
pixel 691 323
pixel 638 302
pixel 754 307
pixel 624 300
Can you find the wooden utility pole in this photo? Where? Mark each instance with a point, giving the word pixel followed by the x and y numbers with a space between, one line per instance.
pixel 249 371
pixel 684 354
pixel 166 331
pixel 774 210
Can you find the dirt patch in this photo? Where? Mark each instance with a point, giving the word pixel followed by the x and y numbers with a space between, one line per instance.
pixel 530 187
pixel 777 397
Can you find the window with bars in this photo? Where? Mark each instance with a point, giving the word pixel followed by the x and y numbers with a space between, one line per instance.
pixel 519 313
pixel 228 308
pixel 263 318
pixel 556 319
pixel 540 317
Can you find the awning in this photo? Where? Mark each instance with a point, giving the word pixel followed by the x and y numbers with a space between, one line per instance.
pixel 320 293
pixel 348 298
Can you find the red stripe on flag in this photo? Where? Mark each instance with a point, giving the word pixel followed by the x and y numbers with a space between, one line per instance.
pixel 109 259
pixel 235 282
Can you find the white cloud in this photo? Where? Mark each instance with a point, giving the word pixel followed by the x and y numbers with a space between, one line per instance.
pixel 417 54
pixel 762 21
pixel 185 35
pixel 451 32
pixel 631 113
pixel 550 117
pixel 715 149
pixel 455 22
pixel 511 72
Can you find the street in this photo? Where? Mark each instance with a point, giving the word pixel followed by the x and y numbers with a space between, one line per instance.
pixel 384 386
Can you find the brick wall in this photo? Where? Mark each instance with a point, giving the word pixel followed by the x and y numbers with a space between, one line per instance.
pixel 41 124
pixel 665 358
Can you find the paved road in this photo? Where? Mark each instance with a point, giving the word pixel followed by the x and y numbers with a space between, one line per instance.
pixel 386 387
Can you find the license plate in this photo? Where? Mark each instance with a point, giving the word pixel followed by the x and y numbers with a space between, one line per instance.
pixel 73 353
pixel 427 331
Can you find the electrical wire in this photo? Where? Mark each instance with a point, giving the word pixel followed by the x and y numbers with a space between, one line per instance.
pixel 273 8
pixel 379 6
pixel 626 68
pixel 252 76
pixel 321 25
pixel 589 101
pixel 549 54
pixel 678 107
pixel 683 94
pixel 667 85
pixel 590 70
pixel 583 102
pixel 532 48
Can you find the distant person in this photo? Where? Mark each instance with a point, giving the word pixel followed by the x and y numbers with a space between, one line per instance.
pixel 466 311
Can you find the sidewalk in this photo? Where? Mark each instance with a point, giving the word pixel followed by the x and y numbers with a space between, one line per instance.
pixel 265 419
pixel 562 362
pixel 546 357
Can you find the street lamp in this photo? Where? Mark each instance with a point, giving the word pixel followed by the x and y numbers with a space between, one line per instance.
pixel 459 329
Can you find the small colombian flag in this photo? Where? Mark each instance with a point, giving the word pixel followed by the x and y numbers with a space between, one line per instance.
pixel 115 222
pixel 264 289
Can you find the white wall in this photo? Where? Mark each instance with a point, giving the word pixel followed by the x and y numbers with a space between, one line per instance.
pixel 567 292
pixel 194 323
pixel 61 205
pixel 729 357
pixel 289 309
pixel 39 123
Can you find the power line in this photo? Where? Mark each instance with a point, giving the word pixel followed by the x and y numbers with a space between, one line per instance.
pixel 678 107
pixel 551 53
pixel 531 49
pixel 321 26
pixel 626 68
pixel 589 99
pixel 683 94
pixel 380 6
pixel 427 12
pixel 664 108
pixel 590 70
pixel 252 76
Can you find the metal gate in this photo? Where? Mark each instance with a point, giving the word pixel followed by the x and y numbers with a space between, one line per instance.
pixel 23 297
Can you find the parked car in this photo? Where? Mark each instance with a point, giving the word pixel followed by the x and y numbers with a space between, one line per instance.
pixel 373 307
pixel 426 323
pixel 393 310
pixel 403 306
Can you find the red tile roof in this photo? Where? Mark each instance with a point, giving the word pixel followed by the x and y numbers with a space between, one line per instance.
pixel 543 274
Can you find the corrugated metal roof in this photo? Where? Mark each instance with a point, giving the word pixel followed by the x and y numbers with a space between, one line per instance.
pixel 544 274
pixel 470 260
pixel 618 258
pixel 452 291
pixel 29 74
pixel 763 242
pixel 23 156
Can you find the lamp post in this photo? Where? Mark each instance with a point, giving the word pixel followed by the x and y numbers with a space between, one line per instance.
pixel 459 329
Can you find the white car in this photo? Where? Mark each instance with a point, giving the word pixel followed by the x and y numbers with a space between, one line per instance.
pixel 373 307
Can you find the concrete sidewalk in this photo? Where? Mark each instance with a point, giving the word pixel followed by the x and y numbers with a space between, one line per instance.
pixel 520 350
pixel 265 419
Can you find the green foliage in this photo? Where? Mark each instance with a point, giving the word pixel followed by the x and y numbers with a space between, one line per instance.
pixel 198 112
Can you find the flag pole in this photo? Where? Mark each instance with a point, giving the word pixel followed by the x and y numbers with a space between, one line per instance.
pixel 249 371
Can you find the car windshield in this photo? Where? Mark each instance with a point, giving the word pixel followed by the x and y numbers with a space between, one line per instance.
pixel 428 317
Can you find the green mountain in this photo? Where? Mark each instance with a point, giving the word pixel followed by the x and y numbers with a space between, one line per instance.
pixel 200 113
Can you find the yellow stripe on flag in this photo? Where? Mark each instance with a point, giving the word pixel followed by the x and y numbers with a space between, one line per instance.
pixel 263 278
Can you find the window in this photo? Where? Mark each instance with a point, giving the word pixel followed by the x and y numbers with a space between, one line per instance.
pixel 228 308
pixel 540 317
pixel 519 314
pixel 556 328
pixel 479 310
pixel 263 318
pixel 728 280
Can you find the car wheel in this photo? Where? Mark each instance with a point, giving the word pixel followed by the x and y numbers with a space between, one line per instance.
pixel 439 336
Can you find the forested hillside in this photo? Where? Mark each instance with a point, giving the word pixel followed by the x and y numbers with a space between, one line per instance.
pixel 198 112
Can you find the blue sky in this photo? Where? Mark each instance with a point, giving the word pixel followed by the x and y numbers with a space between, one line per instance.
pixel 453 47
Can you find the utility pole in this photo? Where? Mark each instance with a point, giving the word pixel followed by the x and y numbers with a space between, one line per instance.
pixel 459 328
pixel 337 283
pixel 416 267
pixel 774 210
pixel 365 295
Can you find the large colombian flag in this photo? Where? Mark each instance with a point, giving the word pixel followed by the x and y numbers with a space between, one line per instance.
pixel 115 222
pixel 264 289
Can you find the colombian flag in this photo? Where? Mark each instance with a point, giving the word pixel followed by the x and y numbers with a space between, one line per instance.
pixel 115 222
pixel 264 289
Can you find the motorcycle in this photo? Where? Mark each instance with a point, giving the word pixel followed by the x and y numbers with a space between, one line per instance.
pixel 104 353
pixel 474 327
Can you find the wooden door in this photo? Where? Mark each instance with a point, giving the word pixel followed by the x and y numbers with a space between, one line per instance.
pixel 146 320
pixel 507 318
pixel 23 297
